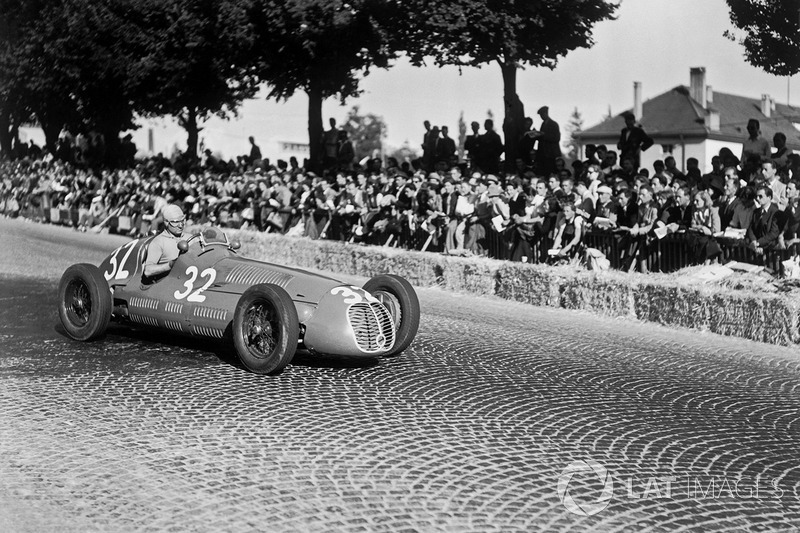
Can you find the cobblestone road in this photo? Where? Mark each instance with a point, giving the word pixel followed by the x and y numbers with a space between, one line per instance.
pixel 471 429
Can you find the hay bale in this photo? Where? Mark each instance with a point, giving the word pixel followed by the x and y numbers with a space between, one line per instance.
pixel 475 275
pixel 598 293
pixel 745 306
pixel 532 284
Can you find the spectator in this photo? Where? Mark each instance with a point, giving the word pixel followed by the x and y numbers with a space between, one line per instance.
pixel 255 153
pixel 526 142
pixel 633 140
pixel 569 232
pixel 679 216
pixel 330 146
pixel 548 147
pixel 646 218
pixel 609 166
pixel 490 149
pixel 705 224
pixel 606 209
pixel 472 144
pixel 770 175
pixel 764 230
pixel 782 152
pixel 734 211
pixel 627 208
pixel 584 201
pixel 445 147
pixel 791 217
pixel 755 146
pixel 671 167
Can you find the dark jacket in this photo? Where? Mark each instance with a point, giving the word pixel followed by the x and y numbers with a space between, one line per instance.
pixel 764 227
pixel 735 214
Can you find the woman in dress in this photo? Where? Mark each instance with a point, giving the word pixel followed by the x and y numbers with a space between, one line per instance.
pixel 705 223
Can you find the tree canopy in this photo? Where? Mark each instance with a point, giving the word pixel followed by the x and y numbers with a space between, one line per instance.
pixel 99 63
pixel 322 47
pixel 196 60
pixel 771 33
pixel 511 33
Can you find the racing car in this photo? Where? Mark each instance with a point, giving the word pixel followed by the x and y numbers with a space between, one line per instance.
pixel 266 311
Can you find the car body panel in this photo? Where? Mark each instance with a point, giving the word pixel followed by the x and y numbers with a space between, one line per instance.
pixel 199 296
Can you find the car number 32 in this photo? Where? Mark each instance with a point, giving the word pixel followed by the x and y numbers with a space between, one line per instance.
pixel 196 295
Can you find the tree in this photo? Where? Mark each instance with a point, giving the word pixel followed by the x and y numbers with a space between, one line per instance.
pixel 574 126
pixel 405 153
pixel 771 33
pixel 322 47
pixel 196 61
pixel 366 132
pixel 70 61
pixel 23 90
pixel 511 33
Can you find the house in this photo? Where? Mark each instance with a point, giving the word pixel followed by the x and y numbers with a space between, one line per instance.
pixel 697 121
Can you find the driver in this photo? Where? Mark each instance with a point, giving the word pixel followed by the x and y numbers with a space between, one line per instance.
pixel 163 249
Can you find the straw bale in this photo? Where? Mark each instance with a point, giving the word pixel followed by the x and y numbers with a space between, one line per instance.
pixel 768 318
pixel 746 305
pixel 476 275
pixel 668 304
pixel 599 294
pixel 532 284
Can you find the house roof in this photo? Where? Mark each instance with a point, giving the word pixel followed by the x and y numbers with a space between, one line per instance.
pixel 674 113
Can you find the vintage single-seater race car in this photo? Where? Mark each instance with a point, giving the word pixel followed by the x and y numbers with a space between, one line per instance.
pixel 265 310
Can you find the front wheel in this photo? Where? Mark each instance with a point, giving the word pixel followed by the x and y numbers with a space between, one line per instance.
pixel 84 302
pixel 400 299
pixel 265 329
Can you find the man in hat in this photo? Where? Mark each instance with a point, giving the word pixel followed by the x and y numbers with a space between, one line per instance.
pixel 163 249
pixel 548 149
pixel 606 208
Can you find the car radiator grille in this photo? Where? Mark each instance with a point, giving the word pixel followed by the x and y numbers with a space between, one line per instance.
pixel 373 327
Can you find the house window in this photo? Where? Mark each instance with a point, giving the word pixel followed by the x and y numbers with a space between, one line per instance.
pixel 667 148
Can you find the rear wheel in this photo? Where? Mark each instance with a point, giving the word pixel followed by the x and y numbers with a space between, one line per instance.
pixel 400 299
pixel 265 329
pixel 84 302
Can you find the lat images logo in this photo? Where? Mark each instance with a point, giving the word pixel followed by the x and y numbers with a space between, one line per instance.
pixel 585 508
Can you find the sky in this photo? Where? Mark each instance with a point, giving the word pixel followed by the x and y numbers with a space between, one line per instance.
pixel 655 42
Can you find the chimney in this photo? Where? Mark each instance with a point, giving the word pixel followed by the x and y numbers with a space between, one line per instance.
pixel 709 95
pixel 712 120
pixel 767 105
pixel 697 85
pixel 637 100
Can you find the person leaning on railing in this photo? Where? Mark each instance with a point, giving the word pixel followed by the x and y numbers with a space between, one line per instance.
pixel 764 230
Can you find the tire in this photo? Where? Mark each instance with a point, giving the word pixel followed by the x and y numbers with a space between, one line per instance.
pixel 84 302
pixel 265 329
pixel 399 297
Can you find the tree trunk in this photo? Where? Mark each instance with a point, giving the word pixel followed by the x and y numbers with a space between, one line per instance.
pixel 315 126
pixel 189 123
pixel 5 133
pixel 514 113
pixel 51 131
pixel 111 132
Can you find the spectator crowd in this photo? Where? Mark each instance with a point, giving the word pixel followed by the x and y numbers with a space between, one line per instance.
pixel 544 210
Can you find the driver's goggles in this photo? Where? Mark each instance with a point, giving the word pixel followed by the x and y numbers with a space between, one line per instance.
pixel 177 222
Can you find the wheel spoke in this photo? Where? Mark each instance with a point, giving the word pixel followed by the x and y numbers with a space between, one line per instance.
pixel 260 327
